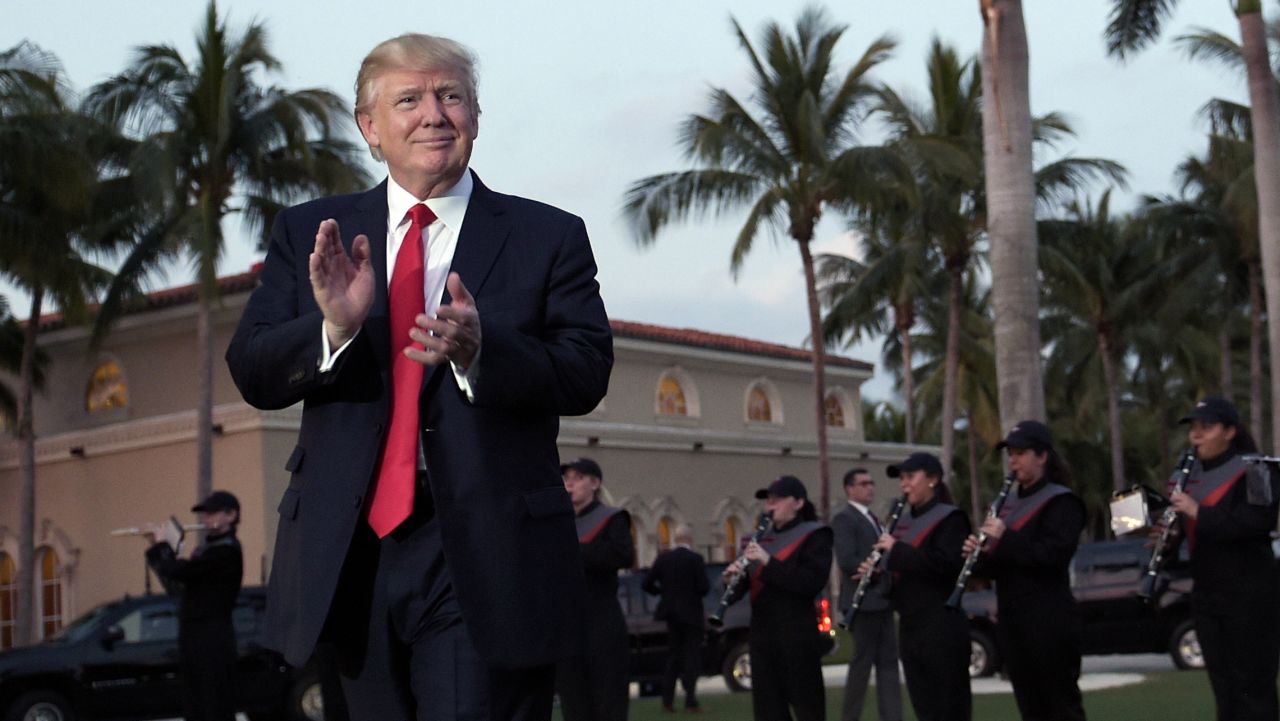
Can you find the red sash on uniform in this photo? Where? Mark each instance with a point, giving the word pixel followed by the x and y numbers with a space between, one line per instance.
pixel 591 523
pixel 780 546
pixel 1018 512
pixel 1210 487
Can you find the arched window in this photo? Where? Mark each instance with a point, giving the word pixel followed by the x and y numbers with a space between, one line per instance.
pixel 8 599
pixel 758 407
pixel 665 526
pixel 671 401
pixel 839 409
pixel 50 592
pixel 732 532
pixel 107 388
pixel 835 411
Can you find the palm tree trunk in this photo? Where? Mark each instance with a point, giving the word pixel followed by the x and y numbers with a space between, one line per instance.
pixel 1224 359
pixel 903 323
pixel 204 401
pixel 1006 130
pixel 24 619
pixel 975 502
pixel 951 369
pixel 1113 412
pixel 1265 112
pixel 819 376
pixel 1255 351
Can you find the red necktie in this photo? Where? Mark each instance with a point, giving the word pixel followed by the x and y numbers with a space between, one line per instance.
pixel 393 493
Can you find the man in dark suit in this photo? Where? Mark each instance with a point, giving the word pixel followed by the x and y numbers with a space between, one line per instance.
pixel 680 577
pixel 434 331
pixel 875 641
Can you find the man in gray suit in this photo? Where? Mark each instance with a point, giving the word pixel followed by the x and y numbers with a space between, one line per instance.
pixel 875 642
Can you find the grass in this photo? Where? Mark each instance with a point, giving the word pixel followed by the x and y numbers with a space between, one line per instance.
pixel 1166 695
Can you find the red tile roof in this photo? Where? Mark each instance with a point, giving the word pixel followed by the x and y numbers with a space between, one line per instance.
pixel 245 282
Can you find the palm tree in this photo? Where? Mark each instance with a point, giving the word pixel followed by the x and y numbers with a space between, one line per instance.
pixel 54 207
pixel 788 164
pixel 214 141
pixel 1011 228
pixel 1133 25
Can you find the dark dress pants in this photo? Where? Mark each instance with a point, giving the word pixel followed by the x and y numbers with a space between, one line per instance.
pixel 875 644
pixel 935 661
pixel 1042 658
pixel 207 650
pixel 595 686
pixel 1241 655
pixel 786 675
pixel 404 650
pixel 684 660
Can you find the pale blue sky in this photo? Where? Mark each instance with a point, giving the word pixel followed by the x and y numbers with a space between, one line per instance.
pixel 581 98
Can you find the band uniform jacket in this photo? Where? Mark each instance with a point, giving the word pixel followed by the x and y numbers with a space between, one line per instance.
pixel 679 578
pixel 507 526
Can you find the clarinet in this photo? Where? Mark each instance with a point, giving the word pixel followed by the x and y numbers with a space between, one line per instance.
pixel 873 558
pixel 1169 518
pixel 731 587
pixel 967 570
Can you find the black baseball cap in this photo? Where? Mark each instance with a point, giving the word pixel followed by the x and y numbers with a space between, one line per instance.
pixel 1028 434
pixel 1213 410
pixel 217 501
pixel 585 466
pixel 783 487
pixel 919 461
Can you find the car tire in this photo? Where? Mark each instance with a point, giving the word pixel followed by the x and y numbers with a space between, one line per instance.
pixel 306 698
pixel 983 658
pixel 1184 647
pixel 736 668
pixel 40 705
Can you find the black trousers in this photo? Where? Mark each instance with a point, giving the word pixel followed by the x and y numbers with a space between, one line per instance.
pixel 786 675
pixel 1042 658
pixel 595 685
pixel 207 654
pixel 1241 654
pixel 404 653
pixel 875 645
pixel 935 661
pixel 684 661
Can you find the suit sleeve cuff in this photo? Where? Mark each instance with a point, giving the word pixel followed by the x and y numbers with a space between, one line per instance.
pixel 327 357
pixel 467 379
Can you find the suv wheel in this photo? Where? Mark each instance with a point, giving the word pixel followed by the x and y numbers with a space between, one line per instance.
pixel 1185 647
pixel 40 706
pixel 982 654
pixel 737 668
pixel 306 698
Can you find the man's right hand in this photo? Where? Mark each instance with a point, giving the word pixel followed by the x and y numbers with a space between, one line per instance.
pixel 343 285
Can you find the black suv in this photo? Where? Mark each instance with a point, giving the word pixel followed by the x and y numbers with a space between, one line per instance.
pixel 725 651
pixel 1105 578
pixel 120 661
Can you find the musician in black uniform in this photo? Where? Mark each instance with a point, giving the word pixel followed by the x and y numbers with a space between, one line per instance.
pixel 924 556
pixel 1227 513
pixel 787 569
pixel 206 586
pixel 594 686
pixel 1028 555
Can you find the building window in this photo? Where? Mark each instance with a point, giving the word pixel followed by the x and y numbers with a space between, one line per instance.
pixel 671 401
pixel 107 388
pixel 732 532
pixel 50 592
pixel 665 526
pixel 758 407
pixel 835 411
pixel 8 599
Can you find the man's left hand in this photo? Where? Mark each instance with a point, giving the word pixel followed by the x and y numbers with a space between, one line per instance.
pixel 453 335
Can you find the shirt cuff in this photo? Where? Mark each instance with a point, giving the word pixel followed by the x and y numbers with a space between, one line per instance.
pixel 327 357
pixel 467 379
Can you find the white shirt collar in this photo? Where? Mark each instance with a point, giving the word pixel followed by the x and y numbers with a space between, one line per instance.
pixel 450 207
pixel 864 510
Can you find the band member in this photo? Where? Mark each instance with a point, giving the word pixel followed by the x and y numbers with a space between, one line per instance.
pixel 1028 554
pixel 680 577
pixel 787 569
pixel 206 585
pixel 1227 513
pixel 924 556
pixel 875 641
pixel 593 686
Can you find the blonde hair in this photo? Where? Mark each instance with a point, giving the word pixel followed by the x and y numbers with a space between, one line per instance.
pixel 414 51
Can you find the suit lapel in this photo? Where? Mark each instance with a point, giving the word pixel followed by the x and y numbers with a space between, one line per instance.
pixel 370 219
pixel 484 232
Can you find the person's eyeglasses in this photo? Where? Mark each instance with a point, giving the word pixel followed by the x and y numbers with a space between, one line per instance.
pixel 865 483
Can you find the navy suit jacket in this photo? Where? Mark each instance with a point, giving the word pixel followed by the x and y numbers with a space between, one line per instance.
pixel 507 525
pixel 680 577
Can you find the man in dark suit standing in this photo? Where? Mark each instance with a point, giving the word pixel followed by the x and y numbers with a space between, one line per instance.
pixel 875 642
pixel 434 331
pixel 680 577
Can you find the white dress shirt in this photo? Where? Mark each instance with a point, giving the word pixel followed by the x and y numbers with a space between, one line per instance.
pixel 866 513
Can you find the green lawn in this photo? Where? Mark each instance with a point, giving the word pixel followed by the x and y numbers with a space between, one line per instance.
pixel 1167 695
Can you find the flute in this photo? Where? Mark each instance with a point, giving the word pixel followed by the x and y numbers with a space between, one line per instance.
pixel 967 570
pixel 140 531
pixel 873 558
pixel 731 587
pixel 1148 588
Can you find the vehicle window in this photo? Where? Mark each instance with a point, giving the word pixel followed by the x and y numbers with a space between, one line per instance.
pixel 83 626
pixel 247 615
pixel 151 624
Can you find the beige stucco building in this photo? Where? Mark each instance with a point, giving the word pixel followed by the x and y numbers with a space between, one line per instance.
pixel 694 422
